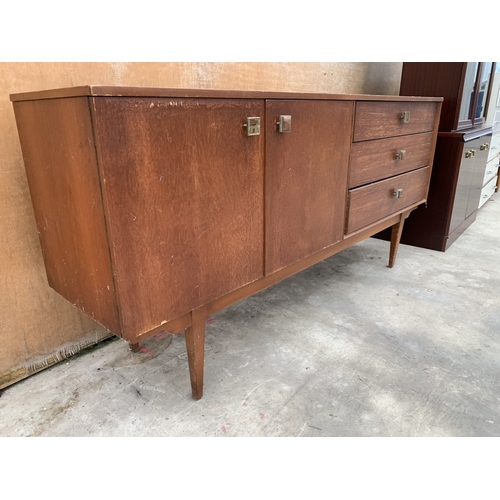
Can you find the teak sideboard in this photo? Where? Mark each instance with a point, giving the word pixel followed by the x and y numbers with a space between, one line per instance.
pixel 158 207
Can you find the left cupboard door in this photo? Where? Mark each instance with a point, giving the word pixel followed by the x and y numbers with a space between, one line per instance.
pixel 183 188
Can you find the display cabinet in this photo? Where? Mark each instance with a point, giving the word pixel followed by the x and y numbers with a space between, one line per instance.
pixel 459 178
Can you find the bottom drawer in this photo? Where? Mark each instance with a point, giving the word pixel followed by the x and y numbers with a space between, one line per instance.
pixel 487 191
pixel 491 170
pixel 368 204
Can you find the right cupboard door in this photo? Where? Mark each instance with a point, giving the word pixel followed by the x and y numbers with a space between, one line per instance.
pixel 306 177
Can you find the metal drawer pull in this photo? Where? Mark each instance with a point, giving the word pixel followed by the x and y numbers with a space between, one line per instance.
pixel 405 117
pixel 284 123
pixel 484 146
pixel 398 193
pixel 400 155
pixel 470 153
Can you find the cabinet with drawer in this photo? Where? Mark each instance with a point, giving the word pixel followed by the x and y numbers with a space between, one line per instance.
pixel 458 169
pixel 455 191
pixel 159 207
pixel 390 160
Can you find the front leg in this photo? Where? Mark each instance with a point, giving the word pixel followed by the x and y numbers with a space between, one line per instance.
pixel 397 231
pixel 195 345
pixel 134 346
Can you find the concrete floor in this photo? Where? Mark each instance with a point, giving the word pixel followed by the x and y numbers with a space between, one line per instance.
pixel 346 348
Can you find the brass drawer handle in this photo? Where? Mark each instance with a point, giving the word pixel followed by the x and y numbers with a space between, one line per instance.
pixel 484 147
pixel 400 155
pixel 398 193
pixel 470 153
pixel 405 117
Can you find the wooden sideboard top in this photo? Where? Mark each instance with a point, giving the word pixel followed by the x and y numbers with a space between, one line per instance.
pixel 117 91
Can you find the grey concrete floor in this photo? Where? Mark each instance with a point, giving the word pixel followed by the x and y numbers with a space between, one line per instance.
pixel 348 347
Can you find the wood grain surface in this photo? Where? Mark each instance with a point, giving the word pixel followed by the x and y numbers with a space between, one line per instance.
pixel 184 194
pixel 375 201
pixel 375 160
pixel 59 156
pixel 375 120
pixel 306 178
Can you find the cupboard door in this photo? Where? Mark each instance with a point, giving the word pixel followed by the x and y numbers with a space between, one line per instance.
pixel 470 180
pixel 306 178
pixel 183 188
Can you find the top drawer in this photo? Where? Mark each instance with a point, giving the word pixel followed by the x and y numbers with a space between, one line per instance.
pixel 375 120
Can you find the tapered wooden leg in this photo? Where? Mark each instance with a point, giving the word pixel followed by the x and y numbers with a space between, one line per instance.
pixel 134 347
pixel 397 230
pixel 195 345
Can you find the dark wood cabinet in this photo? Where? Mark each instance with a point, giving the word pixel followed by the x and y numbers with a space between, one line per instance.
pixel 461 151
pixel 465 87
pixel 159 207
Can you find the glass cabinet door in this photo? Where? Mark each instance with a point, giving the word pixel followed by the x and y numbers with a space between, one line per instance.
pixel 482 90
pixel 465 115
pixel 475 94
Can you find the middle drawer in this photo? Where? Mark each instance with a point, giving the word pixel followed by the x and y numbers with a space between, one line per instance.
pixel 382 158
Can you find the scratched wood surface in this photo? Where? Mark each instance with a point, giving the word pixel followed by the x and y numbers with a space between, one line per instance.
pixel 59 156
pixel 375 160
pixel 370 203
pixel 184 196
pixel 375 120
pixel 306 179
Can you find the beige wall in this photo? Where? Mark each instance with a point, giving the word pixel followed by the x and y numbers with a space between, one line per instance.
pixel 37 326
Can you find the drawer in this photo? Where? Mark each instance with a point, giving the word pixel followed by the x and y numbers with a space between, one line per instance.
pixel 487 191
pixel 375 120
pixel 373 202
pixel 491 171
pixel 378 159
pixel 494 147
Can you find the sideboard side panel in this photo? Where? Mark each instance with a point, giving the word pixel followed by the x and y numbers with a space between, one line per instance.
pixel 59 155
pixel 184 194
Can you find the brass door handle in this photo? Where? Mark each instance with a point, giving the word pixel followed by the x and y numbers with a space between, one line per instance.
pixel 252 125
pixel 470 153
pixel 284 123
pixel 484 146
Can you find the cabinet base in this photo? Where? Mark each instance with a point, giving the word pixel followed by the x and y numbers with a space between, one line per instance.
pixel 194 323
